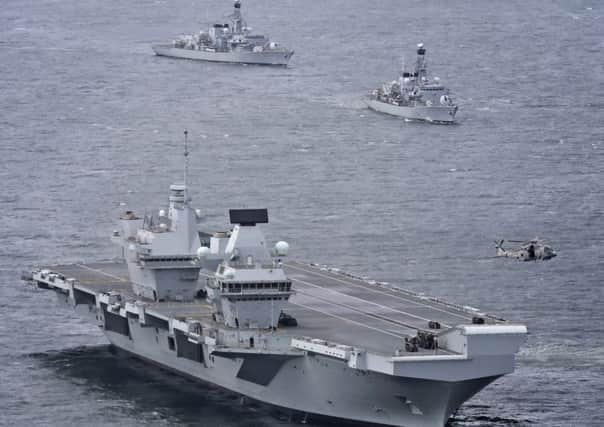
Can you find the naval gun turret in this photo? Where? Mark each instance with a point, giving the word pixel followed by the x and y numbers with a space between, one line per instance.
pixel 250 287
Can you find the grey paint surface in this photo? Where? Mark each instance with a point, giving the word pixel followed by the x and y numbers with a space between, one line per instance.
pixel 88 110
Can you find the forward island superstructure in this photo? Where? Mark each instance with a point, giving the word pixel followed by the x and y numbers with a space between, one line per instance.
pixel 227 308
pixel 227 42
pixel 414 95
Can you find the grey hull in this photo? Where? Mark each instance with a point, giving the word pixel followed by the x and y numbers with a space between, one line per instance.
pixel 280 368
pixel 275 57
pixel 314 385
pixel 435 113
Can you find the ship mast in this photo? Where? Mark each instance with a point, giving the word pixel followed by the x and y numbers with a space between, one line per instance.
pixel 237 20
pixel 186 165
pixel 402 84
pixel 420 66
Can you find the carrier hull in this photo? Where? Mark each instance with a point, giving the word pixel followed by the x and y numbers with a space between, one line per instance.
pixel 411 389
pixel 434 114
pixel 275 57
pixel 319 386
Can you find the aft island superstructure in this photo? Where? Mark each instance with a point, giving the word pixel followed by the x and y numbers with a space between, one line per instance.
pixel 228 308
pixel 227 42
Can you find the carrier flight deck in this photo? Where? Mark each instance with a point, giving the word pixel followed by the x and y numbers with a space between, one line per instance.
pixel 327 304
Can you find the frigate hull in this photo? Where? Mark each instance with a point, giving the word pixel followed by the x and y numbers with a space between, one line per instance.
pixel 267 57
pixel 434 113
pixel 311 385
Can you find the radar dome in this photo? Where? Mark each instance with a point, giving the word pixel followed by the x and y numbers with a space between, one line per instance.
pixel 162 212
pixel 203 252
pixel 198 213
pixel 281 248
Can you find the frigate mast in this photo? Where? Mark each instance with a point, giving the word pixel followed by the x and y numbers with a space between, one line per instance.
pixel 421 71
pixel 186 167
pixel 402 78
pixel 238 24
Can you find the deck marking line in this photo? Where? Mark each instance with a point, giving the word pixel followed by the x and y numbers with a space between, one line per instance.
pixel 367 314
pixel 367 288
pixel 370 302
pixel 349 320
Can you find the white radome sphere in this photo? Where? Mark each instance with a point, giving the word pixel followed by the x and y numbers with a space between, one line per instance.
pixel 198 213
pixel 281 248
pixel 203 252
pixel 162 212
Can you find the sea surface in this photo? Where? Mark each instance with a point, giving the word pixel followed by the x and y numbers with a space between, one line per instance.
pixel 91 122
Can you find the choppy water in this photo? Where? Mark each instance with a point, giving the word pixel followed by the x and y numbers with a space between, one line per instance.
pixel 90 118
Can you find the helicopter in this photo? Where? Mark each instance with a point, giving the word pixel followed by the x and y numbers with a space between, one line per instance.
pixel 529 250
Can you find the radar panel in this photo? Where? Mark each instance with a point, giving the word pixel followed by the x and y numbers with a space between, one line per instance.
pixel 248 216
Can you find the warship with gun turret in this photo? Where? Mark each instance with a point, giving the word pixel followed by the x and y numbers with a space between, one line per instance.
pixel 230 309
pixel 227 42
pixel 415 96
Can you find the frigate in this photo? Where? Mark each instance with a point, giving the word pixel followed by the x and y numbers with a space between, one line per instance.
pixel 230 309
pixel 227 42
pixel 414 95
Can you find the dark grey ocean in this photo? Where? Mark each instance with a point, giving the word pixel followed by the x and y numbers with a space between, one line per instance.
pixel 90 118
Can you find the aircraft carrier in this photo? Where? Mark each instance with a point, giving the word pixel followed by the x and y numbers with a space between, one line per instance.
pixel 230 309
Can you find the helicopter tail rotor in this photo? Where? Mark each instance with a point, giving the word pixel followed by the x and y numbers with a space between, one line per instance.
pixel 499 246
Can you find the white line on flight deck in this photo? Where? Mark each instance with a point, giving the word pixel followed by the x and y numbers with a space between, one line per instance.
pixel 348 320
pixel 369 314
pixel 367 288
pixel 366 301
